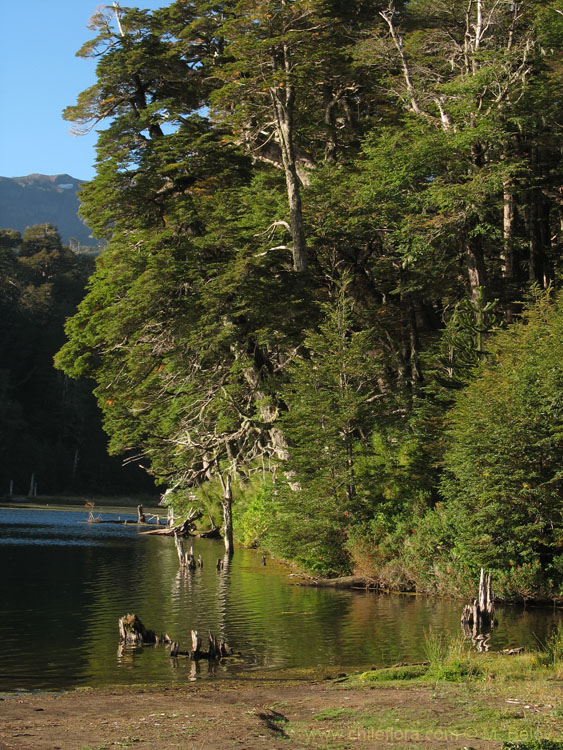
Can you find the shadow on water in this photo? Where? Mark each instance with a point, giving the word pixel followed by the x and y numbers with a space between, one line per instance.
pixel 66 583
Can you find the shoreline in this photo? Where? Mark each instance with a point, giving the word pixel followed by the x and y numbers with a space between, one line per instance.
pixel 349 582
pixel 379 708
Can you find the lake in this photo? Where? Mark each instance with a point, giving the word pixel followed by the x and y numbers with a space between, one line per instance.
pixel 66 583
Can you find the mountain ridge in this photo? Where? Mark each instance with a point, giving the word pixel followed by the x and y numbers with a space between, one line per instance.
pixel 36 198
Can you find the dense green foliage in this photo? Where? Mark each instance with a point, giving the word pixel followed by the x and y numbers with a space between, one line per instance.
pixel 49 425
pixel 317 214
pixel 503 482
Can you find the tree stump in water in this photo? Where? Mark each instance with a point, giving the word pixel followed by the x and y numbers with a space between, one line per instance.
pixel 179 550
pixel 133 632
pixel 214 648
pixel 217 650
pixel 196 652
pixel 477 618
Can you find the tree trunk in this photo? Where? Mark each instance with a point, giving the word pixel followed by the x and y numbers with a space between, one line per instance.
pixel 509 225
pixel 415 373
pixel 509 269
pixel 537 225
pixel 228 516
pixel 476 270
pixel 283 102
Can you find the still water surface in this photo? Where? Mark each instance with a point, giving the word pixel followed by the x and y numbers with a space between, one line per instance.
pixel 65 583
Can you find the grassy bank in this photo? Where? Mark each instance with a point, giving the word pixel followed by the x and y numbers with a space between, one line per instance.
pixel 509 698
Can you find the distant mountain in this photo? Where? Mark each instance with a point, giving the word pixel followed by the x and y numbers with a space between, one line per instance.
pixel 41 199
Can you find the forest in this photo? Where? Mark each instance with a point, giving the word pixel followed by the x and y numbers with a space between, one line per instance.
pixel 51 440
pixel 331 281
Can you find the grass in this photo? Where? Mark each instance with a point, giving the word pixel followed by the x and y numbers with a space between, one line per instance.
pixel 388 674
pixel 515 699
pixel 550 651
pixel 452 659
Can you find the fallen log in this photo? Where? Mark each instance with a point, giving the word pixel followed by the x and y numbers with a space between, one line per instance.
pixel 213 533
pixel 184 528
pixel 344 582
pixel 512 651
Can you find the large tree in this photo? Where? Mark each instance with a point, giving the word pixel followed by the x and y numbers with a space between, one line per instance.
pixel 256 158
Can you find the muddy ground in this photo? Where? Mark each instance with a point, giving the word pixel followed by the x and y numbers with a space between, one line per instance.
pixel 243 714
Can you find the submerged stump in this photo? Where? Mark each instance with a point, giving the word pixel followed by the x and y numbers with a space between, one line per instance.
pixel 133 632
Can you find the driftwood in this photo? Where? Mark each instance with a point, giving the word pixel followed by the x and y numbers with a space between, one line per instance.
pixel 184 528
pixel 213 533
pixel 345 582
pixel 511 651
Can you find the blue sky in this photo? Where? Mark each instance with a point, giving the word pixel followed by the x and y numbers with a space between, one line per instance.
pixel 39 76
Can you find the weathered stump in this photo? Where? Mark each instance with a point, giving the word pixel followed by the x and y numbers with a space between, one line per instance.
pixel 214 648
pixel 179 549
pixel 196 652
pixel 190 559
pixel 216 651
pixel 133 632
pixel 477 619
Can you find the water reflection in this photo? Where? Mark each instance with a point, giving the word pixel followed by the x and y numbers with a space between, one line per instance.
pixel 68 583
